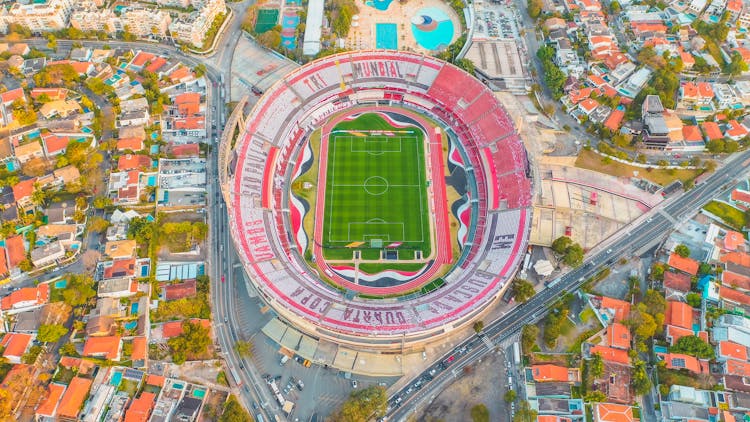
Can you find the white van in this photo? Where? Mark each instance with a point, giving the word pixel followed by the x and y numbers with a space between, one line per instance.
pixel 284 360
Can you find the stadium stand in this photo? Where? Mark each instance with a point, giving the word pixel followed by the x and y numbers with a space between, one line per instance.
pixel 306 99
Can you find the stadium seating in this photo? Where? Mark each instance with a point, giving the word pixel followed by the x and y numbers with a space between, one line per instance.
pixel 308 97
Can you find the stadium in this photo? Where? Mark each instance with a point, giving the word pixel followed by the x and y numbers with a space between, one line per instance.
pixel 377 199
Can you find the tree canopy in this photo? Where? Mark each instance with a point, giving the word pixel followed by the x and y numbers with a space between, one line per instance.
pixel 363 405
pixel 693 346
pixel 480 413
pixel 523 290
pixel 234 412
pixel 194 340
pixel 682 250
pixel 50 333
pixel 79 289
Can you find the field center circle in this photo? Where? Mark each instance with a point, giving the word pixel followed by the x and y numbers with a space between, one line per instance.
pixel 376 185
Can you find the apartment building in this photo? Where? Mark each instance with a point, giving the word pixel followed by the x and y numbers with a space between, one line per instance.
pixel 145 22
pixel 192 29
pixel 94 20
pixel 52 15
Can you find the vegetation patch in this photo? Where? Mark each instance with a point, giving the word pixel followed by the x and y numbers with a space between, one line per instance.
pixel 729 214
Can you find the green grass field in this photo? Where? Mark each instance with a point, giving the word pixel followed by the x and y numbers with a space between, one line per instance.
pixel 375 189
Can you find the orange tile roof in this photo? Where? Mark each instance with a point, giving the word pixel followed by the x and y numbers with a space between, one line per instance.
pixel 81 68
pixel 588 105
pixel 133 162
pixel 687 265
pixel 732 350
pixel 187 97
pixel 691 133
pixel 736 130
pixel 156 64
pixel 109 346
pixel 687 59
pixel 733 240
pixel 155 380
pixel 736 367
pixel 734 280
pixel 705 90
pixel 608 91
pixel 189 109
pixel 186 150
pixel 55 143
pixel 733 295
pixel 648 27
pixel 120 268
pixel 681 361
pixel 15 344
pixel 174 328
pixel 677 281
pixel 32 295
pixel 618 336
pixel 140 348
pixel 140 408
pixel 712 130
pixel 545 373
pixel 738 258
pixel 609 412
pixel 52 93
pixel 23 189
pixel 72 400
pixel 676 333
pixel 615 59
pixel 679 314
pixel 620 308
pixel 3 262
pixel 8 97
pixel 141 58
pixel 596 80
pixel 728 417
pixel 196 122
pixel 180 73
pixel 610 354
pixel 16 250
pixel 49 405
pixel 187 288
pixel 614 120
pixel 133 144
pixel 734 5
pixel 578 95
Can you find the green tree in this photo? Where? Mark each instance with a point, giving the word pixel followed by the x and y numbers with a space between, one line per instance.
pixel 640 381
pixel 194 340
pixel 50 333
pixel 234 412
pixel 79 290
pixel 68 349
pixel 523 290
pixel 510 396
pixel 693 346
pixel 693 299
pixel 534 7
pixel 614 7
pixel 244 348
pixel 101 202
pixel 657 271
pixel 525 413
pixel 478 326
pixel 561 244
pixel 655 302
pixel 480 413
pixel 362 405
pixel 595 396
pixel 682 250
pixel 574 255
pixel 715 146
pixel 529 335
pixel 736 65
pixel 596 365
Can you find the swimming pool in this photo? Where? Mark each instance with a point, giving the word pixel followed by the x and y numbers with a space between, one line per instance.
pixel 116 379
pixel 432 28
pixel 130 325
pixel 178 386
pixel 386 36
pixel 199 393
pixel 134 308
pixel 61 284
pixel 154 149
pixel 379 4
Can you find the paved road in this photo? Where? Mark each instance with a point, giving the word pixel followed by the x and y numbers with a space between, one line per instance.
pixel 646 230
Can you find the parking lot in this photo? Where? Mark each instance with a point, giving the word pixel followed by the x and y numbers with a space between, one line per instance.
pixel 496 20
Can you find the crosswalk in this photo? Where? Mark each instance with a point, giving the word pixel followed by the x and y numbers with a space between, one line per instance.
pixel 486 340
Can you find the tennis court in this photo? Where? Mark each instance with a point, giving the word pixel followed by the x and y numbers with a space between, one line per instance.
pixel 267 19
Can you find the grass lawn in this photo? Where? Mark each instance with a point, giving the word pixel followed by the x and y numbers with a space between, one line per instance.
pixel 376 187
pixel 592 161
pixel 586 315
pixel 372 268
pixel 731 215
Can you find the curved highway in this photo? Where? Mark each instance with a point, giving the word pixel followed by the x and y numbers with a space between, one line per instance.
pixel 645 231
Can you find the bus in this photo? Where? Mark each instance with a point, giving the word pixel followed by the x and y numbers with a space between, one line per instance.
pixel 236 377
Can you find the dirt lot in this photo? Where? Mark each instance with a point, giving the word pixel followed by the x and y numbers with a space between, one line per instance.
pixel 485 383
pixel 593 161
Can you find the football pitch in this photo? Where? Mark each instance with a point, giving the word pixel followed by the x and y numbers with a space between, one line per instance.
pixel 376 193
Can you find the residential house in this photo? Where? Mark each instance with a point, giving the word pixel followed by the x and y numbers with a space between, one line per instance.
pixel 120 249
pixel 47 410
pixel 676 285
pixel 686 265
pixel 554 373
pixel 73 398
pixel 107 347
pixel 117 288
pixel 610 412
pixel 25 299
pixel 15 345
pixel 28 151
pixel 48 254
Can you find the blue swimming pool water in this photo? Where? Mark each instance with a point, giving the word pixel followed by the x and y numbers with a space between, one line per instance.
pixel 436 31
pixel 660 349
pixel 178 386
pixel 151 181
pixel 379 4
pixel 131 325
pixel 116 379
pixel 10 166
pixel 199 393
pixel 154 135
pixel 134 308
pixel 386 36
pixel 61 284
pixel 154 149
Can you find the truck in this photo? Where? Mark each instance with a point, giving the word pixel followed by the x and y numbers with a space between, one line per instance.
pixel 516 353
pixel 553 282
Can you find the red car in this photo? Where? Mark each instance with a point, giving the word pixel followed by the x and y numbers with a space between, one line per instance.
pixel 222 278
